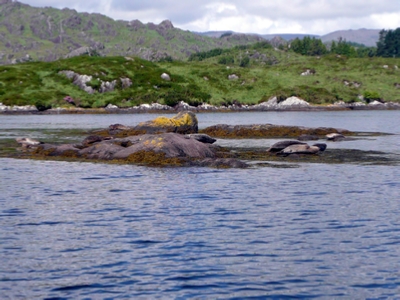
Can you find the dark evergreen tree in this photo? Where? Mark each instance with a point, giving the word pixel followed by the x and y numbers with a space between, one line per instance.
pixel 389 43
pixel 308 46
pixel 343 48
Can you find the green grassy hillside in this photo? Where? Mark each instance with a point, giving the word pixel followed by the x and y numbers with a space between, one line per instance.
pixel 47 34
pixel 265 72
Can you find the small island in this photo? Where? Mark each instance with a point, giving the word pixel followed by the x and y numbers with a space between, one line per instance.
pixel 177 142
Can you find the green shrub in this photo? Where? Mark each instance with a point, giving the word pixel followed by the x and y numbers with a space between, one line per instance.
pixel 94 83
pixel 313 95
pixel 226 60
pixel 370 96
pixel 245 62
pixel 190 94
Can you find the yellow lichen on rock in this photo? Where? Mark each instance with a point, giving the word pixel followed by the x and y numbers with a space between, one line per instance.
pixel 178 120
pixel 183 122
pixel 163 121
pixel 184 119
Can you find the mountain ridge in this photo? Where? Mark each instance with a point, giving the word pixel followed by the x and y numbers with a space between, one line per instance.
pixel 47 34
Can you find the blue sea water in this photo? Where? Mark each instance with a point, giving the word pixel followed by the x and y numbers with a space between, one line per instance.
pixel 73 230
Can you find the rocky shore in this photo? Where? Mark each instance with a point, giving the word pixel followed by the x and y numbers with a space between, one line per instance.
pixel 177 142
pixel 290 104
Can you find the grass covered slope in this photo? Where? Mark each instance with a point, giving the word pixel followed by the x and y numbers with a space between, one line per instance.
pixel 47 34
pixel 261 72
pixel 41 84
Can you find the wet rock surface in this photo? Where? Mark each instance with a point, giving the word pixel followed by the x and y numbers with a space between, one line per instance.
pixel 268 131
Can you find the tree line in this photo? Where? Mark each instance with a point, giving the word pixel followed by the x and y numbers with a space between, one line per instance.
pixel 387 46
pixel 389 43
pixel 314 47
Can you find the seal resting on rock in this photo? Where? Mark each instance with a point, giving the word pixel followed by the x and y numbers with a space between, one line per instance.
pixel 27 142
pixel 302 149
pixel 282 145
pixel 334 136
pixel 201 137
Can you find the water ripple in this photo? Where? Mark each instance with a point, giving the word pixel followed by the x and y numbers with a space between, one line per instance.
pixel 90 231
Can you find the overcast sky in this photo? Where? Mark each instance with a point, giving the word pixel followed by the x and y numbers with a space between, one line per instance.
pixel 247 16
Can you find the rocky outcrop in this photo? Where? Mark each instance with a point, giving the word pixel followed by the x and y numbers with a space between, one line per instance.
pixel 287 104
pixel 82 51
pixel 366 106
pixel 170 144
pixel 183 122
pixel 167 149
pixel 233 77
pixel 267 131
pixel 82 80
pixel 17 109
pixel 165 77
pixel 308 72
pixel 160 148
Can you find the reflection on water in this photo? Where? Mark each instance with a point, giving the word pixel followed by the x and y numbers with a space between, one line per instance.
pixel 73 230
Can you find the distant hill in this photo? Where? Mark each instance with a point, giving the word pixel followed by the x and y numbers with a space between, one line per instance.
pixel 368 37
pixel 288 36
pixel 46 34
pixel 285 36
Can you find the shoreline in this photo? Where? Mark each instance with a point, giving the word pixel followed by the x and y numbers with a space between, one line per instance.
pixel 161 109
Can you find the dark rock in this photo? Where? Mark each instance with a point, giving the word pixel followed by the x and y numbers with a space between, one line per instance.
pixel 170 144
pixel 102 150
pixel 265 131
pixel 92 139
pixel 118 127
pixel 64 150
pixel 201 137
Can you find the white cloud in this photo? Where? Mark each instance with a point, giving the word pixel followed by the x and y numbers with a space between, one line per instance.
pixel 257 16
pixel 386 21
